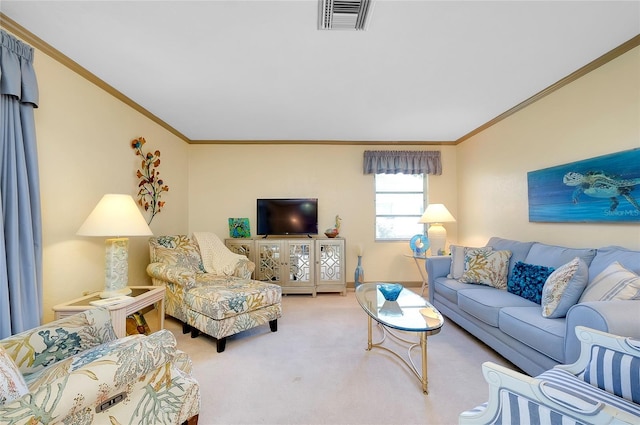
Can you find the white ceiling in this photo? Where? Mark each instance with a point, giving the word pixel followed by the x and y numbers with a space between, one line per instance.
pixel 261 70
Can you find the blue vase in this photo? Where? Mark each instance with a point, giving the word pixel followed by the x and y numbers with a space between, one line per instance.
pixel 359 275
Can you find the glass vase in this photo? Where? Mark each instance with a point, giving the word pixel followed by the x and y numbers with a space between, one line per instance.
pixel 359 274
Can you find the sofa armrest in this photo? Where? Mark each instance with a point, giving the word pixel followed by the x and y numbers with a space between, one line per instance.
pixel 95 377
pixel 614 317
pixel 168 273
pixel 37 348
pixel 437 266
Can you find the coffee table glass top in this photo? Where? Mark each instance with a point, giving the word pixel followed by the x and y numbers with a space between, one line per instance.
pixel 410 312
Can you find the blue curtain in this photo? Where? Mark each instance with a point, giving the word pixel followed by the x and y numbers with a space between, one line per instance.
pixel 402 162
pixel 21 230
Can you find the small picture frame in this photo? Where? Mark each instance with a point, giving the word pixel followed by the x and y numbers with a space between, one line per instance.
pixel 239 228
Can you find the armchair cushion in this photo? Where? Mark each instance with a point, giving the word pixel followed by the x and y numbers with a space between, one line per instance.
pixel 12 383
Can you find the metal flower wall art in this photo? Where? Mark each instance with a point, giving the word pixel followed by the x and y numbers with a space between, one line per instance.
pixel 151 185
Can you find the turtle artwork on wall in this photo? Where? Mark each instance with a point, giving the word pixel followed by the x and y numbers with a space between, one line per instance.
pixel 603 189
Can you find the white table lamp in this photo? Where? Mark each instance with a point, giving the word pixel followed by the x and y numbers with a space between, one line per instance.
pixel 435 215
pixel 117 216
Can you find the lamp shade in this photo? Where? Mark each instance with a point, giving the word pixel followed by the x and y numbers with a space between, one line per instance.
pixel 436 213
pixel 115 215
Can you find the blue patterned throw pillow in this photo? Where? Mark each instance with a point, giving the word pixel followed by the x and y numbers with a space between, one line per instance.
pixel 527 280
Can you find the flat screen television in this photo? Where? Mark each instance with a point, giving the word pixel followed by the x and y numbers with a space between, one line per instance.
pixel 297 216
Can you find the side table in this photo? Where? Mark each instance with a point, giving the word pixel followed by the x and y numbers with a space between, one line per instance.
pixel 142 296
pixel 420 263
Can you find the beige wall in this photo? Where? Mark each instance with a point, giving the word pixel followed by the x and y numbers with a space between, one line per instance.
pixel 226 180
pixel 84 148
pixel 595 115
pixel 84 151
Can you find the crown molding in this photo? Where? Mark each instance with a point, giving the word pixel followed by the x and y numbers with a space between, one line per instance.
pixel 47 49
pixel 35 41
pixel 321 142
pixel 596 63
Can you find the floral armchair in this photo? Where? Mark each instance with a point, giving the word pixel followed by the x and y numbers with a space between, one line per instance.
pixel 75 371
pixel 209 288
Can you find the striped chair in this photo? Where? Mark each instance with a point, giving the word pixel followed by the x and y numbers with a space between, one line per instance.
pixel 601 387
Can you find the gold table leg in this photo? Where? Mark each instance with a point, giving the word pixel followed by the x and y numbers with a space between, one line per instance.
pixel 423 347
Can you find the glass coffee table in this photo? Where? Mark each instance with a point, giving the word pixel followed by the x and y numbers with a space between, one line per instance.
pixel 409 313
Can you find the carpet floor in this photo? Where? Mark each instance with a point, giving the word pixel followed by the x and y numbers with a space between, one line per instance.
pixel 316 370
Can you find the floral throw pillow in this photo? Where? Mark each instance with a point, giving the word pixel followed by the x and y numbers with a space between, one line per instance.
pixel 613 283
pixel 12 385
pixel 563 288
pixel 487 268
pixel 458 255
pixel 527 280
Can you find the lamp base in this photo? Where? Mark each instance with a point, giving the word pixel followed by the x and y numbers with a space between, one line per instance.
pixel 116 293
pixel 437 238
pixel 116 268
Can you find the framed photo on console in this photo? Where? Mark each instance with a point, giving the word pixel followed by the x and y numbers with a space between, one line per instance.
pixel 239 228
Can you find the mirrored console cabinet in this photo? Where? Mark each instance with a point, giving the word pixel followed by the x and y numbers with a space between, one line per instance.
pixel 299 265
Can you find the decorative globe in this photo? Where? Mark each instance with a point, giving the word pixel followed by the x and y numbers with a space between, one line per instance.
pixel 390 291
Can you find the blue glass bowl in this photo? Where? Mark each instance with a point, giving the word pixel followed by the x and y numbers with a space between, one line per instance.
pixel 390 291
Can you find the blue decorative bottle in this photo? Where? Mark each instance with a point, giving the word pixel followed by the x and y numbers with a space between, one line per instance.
pixel 359 274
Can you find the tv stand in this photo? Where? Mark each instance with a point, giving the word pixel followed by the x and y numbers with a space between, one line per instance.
pixel 300 265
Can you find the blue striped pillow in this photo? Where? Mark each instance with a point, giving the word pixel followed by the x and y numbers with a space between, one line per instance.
pixel 615 372
pixel 613 283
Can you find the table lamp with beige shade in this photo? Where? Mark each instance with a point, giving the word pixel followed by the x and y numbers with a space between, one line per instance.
pixel 435 215
pixel 115 217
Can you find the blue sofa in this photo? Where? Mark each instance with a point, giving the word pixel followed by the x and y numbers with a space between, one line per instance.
pixel 514 326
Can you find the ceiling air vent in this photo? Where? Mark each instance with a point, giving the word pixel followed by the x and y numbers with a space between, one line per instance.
pixel 343 14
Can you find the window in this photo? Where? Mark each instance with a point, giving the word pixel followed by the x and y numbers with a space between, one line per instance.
pixel 400 200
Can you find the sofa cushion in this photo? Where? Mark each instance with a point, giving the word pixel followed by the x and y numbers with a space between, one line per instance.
pixel 527 325
pixel 519 250
pixel 487 268
pixel 613 283
pixel 527 280
pixel 485 303
pixel 555 256
pixel 228 297
pixel 458 259
pixel 563 288
pixel 449 288
pixel 12 384
pixel 630 260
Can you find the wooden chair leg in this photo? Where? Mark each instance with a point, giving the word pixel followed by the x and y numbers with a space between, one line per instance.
pixel 221 343
pixel 194 333
pixel 191 421
pixel 185 328
pixel 273 324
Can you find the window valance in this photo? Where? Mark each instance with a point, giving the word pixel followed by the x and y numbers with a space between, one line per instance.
pixel 17 75
pixel 405 162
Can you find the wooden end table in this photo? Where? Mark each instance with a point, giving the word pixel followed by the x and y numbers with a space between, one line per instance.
pixel 142 296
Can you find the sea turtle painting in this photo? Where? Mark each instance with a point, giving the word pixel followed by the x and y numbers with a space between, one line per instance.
pixel 598 184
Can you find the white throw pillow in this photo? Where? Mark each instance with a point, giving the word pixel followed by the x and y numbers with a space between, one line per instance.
pixel 563 288
pixel 12 385
pixel 458 255
pixel 613 283
pixel 488 268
